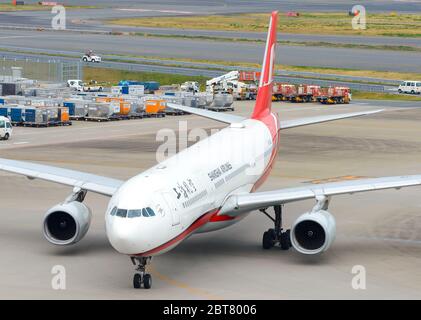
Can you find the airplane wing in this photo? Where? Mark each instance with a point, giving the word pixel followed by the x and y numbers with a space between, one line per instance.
pixel 240 203
pixel 287 124
pixel 221 117
pixel 90 182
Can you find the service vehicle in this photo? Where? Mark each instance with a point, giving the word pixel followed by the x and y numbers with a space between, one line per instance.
pixel 6 128
pixel 80 86
pixel 413 87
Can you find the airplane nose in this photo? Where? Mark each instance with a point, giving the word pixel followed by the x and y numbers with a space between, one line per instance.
pixel 123 237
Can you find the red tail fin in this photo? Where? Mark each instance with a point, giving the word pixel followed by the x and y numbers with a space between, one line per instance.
pixel 264 95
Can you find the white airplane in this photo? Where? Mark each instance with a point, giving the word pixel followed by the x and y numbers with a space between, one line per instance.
pixel 207 187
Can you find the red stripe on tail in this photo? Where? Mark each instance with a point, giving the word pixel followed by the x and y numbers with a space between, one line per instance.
pixel 264 95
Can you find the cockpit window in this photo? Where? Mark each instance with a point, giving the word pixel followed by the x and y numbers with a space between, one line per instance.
pixel 121 213
pixel 134 213
pixel 145 213
pixel 150 211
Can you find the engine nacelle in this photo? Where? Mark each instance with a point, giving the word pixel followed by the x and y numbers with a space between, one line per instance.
pixel 67 223
pixel 313 232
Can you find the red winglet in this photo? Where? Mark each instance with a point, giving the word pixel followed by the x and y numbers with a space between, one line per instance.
pixel 264 95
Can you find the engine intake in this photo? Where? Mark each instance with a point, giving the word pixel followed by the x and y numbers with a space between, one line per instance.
pixel 67 223
pixel 313 232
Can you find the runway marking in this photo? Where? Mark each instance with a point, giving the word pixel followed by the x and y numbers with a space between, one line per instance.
pixel 19 143
pixel 202 293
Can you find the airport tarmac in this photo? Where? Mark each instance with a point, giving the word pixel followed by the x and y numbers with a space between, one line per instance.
pixel 379 230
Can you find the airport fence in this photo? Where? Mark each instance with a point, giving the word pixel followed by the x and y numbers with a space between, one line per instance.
pixel 39 69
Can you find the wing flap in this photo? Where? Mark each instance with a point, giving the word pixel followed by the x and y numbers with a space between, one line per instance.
pixel 98 184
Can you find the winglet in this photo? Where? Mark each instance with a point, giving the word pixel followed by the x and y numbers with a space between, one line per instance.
pixel 264 96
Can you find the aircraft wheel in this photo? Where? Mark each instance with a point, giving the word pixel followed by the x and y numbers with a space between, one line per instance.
pixel 147 281
pixel 268 240
pixel 137 281
pixel 286 240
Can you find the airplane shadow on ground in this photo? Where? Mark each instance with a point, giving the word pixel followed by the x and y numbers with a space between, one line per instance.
pixel 213 246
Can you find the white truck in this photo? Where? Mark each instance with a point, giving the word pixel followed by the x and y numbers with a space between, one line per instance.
pixel 413 87
pixel 6 128
pixel 80 86
pixel 230 83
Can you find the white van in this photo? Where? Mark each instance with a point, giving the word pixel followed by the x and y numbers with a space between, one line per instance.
pixel 413 87
pixel 5 128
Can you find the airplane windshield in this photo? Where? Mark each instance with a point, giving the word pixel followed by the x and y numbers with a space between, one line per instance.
pixel 134 213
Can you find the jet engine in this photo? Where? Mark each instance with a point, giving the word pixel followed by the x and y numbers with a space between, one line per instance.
pixel 67 223
pixel 313 232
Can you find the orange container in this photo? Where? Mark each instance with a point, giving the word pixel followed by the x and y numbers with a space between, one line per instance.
pixel 154 106
pixel 124 107
pixel 64 114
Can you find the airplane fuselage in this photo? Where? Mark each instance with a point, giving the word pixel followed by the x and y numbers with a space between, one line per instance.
pixel 154 211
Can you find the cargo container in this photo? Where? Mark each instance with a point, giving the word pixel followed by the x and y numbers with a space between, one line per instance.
pixel 155 107
pixel 102 111
pixel 283 91
pixel 5 111
pixel 306 93
pixel 124 108
pixel 334 95
pixel 149 86
pixel 249 76
pixel 63 115
pixel 222 102
pixel 17 114
pixel 11 89
pixel 35 116
pixel 71 106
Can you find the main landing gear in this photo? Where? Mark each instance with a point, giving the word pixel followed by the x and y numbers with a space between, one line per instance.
pixel 276 236
pixel 141 277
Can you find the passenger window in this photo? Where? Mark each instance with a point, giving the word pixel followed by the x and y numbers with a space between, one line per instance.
pixel 150 211
pixel 121 213
pixel 113 211
pixel 145 213
pixel 8 125
pixel 134 213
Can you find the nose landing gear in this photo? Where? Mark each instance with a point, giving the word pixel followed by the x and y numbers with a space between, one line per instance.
pixel 141 277
pixel 276 235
